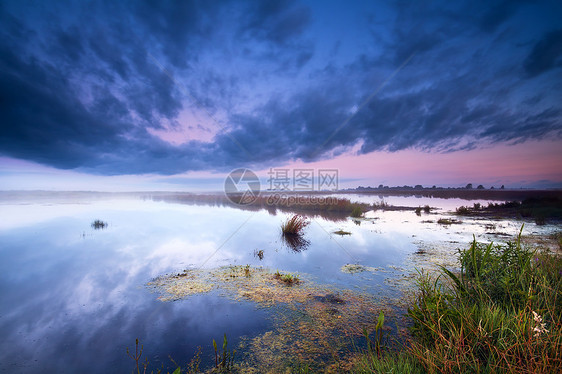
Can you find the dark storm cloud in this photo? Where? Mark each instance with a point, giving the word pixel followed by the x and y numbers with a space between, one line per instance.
pixel 81 84
pixel 546 54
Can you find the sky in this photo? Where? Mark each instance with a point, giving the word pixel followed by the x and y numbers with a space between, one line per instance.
pixel 173 95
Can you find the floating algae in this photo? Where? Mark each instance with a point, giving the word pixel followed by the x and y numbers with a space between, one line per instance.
pixel 179 286
pixel 313 325
pixel 342 232
pixel 257 284
pixel 316 334
pixel 356 268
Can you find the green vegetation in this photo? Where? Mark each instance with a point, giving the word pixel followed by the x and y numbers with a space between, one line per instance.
pixel 342 233
pixel 288 278
pixel 191 367
pixel 426 209
pixel 540 209
pixel 224 361
pixel 356 211
pixel 502 313
pixel 99 224
pixel 448 221
pixel 294 225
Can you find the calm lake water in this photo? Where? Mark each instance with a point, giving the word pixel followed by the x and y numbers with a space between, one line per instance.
pixel 72 298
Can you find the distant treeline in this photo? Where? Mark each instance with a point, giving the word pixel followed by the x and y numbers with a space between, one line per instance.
pixel 499 194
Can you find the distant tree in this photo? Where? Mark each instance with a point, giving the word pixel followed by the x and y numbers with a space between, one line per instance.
pixel 480 187
pixel 502 187
pixel 469 186
pixel 380 186
pixel 434 187
pixel 418 187
pixel 492 187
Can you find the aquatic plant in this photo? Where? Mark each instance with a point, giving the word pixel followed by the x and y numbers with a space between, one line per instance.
pixel 259 254
pixel 224 361
pixel 448 221
pixel 342 232
pixel 378 337
pixel 356 211
pixel 418 211
pixel 191 368
pixel 137 355
pixel 463 210
pixel 427 208
pixel 294 225
pixel 288 278
pixel 99 224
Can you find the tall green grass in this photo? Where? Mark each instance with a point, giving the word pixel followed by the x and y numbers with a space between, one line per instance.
pixel 501 313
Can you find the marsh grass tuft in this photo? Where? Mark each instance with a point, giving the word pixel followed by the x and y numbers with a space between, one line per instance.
pixel 448 221
pixel 99 224
pixel 356 211
pixel 342 232
pixel 288 278
pixel 294 225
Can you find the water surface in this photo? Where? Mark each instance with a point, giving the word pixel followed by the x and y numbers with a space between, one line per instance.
pixel 73 298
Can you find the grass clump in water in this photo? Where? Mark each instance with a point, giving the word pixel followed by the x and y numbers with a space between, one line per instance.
pixel 294 225
pixel 99 224
pixel 342 232
pixel 356 211
pixel 288 279
pixel 448 221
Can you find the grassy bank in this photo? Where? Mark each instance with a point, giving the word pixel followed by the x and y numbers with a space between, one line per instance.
pixel 501 313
